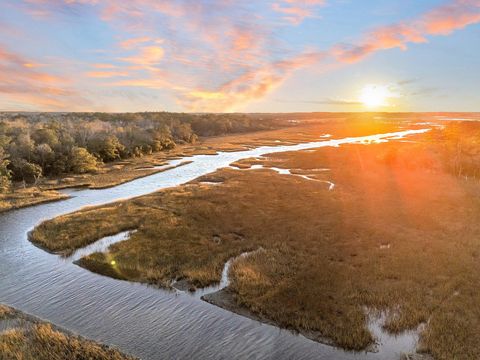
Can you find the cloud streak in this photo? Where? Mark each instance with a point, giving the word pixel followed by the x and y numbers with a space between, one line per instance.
pixel 296 11
pixel 339 102
pixel 21 81
pixel 442 20
pixel 208 55
pixel 254 85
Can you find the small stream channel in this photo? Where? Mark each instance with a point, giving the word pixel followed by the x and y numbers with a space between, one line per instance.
pixel 141 320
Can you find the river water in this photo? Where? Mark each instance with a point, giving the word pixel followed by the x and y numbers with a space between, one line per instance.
pixel 141 320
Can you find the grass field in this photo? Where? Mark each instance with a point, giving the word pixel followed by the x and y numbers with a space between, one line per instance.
pixel 399 233
pixel 27 338
pixel 28 197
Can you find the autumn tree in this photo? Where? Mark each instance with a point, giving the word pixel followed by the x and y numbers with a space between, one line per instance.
pixel 162 138
pixel 25 171
pixel 55 144
pixel 5 173
pixel 44 155
pixel 81 161
pixel 106 147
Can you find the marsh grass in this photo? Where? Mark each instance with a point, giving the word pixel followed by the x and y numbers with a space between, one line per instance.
pixel 398 234
pixel 123 171
pixel 27 197
pixel 32 339
pixel 5 312
pixel 42 342
pixel 111 175
pixel 67 233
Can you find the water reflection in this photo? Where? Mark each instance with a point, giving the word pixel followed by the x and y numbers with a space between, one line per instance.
pixel 144 321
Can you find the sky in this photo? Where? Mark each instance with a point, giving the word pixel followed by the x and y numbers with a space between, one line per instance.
pixel 239 56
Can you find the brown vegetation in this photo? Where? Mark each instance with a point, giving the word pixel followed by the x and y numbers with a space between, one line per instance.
pixel 58 150
pixel 5 311
pixel 32 339
pixel 27 197
pixel 399 234
pixel 34 145
pixel 114 173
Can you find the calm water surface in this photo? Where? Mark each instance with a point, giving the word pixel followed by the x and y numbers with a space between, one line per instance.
pixel 141 320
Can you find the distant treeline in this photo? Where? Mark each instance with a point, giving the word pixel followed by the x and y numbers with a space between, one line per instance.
pixel 33 145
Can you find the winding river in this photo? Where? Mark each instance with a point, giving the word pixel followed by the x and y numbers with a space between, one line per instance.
pixel 145 321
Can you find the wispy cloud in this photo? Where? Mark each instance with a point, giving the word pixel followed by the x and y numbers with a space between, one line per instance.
pixel 21 81
pixel 208 55
pixel 106 74
pixel 134 42
pixel 147 56
pixel 442 20
pixel 252 85
pixel 257 84
pixel 104 66
pixel 295 11
pixel 339 102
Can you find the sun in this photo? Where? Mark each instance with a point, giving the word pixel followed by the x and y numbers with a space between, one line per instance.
pixel 373 96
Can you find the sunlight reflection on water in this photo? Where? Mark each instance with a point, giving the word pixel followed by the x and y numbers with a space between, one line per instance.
pixel 139 319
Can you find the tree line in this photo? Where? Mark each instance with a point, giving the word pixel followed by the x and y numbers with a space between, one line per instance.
pixel 36 145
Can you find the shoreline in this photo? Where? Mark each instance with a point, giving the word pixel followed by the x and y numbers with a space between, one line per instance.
pixel 225 299
pixel 23 321
pixel 113 176
pixel 35 202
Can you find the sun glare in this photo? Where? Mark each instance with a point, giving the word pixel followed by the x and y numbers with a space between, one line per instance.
pixel 375 95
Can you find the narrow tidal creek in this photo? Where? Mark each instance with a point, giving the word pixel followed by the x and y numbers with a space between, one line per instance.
pixel 145 321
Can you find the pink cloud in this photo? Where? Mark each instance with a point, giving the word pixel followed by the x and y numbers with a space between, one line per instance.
pixel 21 81
pixel 295 11
pixel 442 20
pixel 147 56
pixel 133 42
pixel 252 85
pixel 256 84
pixel 448 18
pixel 104 66
pixel 215 55
pixel 106 74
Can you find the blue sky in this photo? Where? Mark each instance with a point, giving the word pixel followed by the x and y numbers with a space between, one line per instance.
pixel 229 55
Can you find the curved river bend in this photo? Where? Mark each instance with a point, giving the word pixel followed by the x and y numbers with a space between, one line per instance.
pixel 144 321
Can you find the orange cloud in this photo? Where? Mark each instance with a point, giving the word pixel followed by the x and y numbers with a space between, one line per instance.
pixel 257 83
pixel 249 86
pixel 131 43
pixel 442 20
pixel 14 64
pixel 104 66
pixel 106 74
pixel 145 83
pixel 297 10
pixel 45 9
pixel 243 40
pixel 219 57
pixel 448 18
pixel 21 82
pixel 148 56
pixel 137 8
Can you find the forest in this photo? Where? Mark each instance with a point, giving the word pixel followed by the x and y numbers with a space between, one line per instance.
pixel 36 145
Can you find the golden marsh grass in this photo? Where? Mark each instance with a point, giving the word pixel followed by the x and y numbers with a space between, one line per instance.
pixel 399 234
